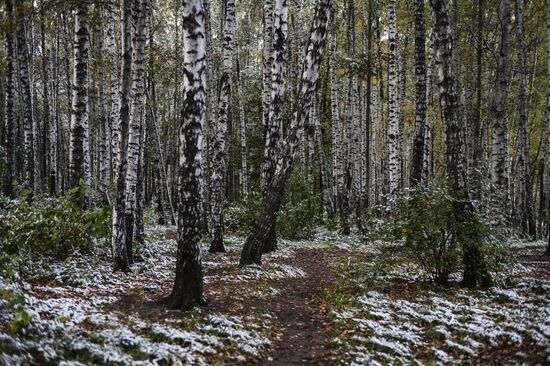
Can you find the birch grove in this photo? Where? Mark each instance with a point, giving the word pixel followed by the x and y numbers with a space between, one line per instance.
pixel 242 126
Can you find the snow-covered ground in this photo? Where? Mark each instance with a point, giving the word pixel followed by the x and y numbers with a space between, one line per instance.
pixel 393 319
pixel 71 313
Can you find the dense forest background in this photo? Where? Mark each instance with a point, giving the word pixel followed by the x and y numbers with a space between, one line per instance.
pixel 417 125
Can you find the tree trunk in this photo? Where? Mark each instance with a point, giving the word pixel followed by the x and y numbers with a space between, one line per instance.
pixel 253 248
pixel 273 136
pixel 499 157
pixel 26 95
pixel 114 77
pixel 475 272
pixel 394 161
pixel 104 126
pixel 526 218
pixel 140 11
pixel 420 95
pixel 244 178
pixel 547 253
pixel 188 285
pixel 11 123
pixel 268 61
pixel 337 163
pixel 121 260
pixel 219 165
pixel 79 109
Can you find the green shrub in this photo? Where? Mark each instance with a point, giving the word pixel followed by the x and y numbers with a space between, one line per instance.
pixel 240 216
pixel 430 231
pixel 53 227
pixel 438 234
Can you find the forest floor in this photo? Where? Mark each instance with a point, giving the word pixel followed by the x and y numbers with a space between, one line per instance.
pixel 327 301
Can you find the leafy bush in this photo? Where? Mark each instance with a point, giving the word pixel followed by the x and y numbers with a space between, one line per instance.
pixel 240 217
pixel 438 234
pixel 53 227
pixel 430 231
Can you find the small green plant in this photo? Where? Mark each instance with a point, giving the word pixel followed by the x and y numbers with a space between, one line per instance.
pixel 430 231
pixel 54 227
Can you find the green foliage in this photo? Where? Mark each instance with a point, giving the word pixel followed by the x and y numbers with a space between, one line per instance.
pixel 240 216
pixel 300 212
pixel 430 231
pixel 53 227
pixel 439 231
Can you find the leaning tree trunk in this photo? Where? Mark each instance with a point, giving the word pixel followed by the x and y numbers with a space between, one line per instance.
pixel 188 285
pixel 219 166
pixel 475 272
pixel 525 209
pixel 26 95
pixel 140 11
pixel 79 111
pixel 10 104
pixel 119 228
pixel 253 248
pixel 394 160
pixel 420 94
pixel 499 156
pixel 274 128
pixel 268 61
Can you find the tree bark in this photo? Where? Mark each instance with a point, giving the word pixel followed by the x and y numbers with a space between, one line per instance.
pixel 188 285
pixel 415 177
pixel 394 161
pixel 475 272
pixel 547 253
pixel 26 96
pixel 499 156
pixel 11 123
pixel 253 248
pixel 273 136
pixel 121 260
pixel 525 209
pixel 219 165
pixel 140 11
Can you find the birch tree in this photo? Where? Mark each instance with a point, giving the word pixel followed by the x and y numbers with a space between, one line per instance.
pixel 394 158
pixel 120 252
pixel 499 156
pixel 420 94
pixel 219 165
pixel 140 11
pixel 10 118
pixel 114 79
pixel 475 271
pixel 79 109
pixel 525 209
pixel 253 248
pixel 274 127
pixel 547 253
pixel 188 285
pixel 22 8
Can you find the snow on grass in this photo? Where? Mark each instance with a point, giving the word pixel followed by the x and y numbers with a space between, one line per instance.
pixel 445 327
pixel 71 317
pixel 521 244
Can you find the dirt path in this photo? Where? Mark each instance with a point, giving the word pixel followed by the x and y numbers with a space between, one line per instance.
pixel 299 310
pixel 301 323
